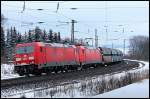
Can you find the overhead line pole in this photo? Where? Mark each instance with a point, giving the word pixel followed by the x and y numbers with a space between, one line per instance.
pixel 96 38
pixel 72 30
pixel 124 47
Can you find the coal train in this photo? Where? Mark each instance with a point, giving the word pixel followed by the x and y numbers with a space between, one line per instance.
pixel 39 57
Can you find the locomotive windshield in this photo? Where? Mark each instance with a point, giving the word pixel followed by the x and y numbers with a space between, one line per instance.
pixel 25 49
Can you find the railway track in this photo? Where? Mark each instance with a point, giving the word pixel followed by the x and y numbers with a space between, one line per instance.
pixel 123 66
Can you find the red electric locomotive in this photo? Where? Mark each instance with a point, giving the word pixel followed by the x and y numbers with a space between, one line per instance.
pixel 38 57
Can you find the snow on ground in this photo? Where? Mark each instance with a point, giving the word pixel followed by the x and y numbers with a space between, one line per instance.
pixel 9 76
pixel 129 91
pixel 78 90
pixel 145 62
pixel 7 71
pixel 141 68
pixel 135 90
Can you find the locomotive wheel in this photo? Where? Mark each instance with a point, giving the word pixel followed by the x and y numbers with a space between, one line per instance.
pixel 48 72
pixel 55 70
pixel 37 72
pixel 62 69
pixel 26 72
pixel 21 74
pixel 75 68
pixel 85 67
pixel 66 70
pixel 80 68
pixel 27 75
pixel 95 65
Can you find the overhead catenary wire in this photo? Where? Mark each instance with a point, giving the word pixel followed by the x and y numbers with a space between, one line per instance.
pixel 49 2
pixel 83 8
pixel 28 8
pixel 31 23
pixel 94 21
pixel 70 18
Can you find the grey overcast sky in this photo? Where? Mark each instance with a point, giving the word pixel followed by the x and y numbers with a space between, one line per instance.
pixel 133 16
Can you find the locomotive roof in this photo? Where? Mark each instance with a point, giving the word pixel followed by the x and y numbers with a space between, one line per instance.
pixel 59 45
pixel 28 44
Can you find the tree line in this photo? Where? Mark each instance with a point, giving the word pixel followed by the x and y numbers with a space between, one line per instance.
pixel 139 48
pixel 11 36
pixel 14 37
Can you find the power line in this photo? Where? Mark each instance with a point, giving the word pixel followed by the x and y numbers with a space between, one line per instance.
pixel 77 7
pixel 97 21
pixel 132 21
pixel 31 23
pixel 27 8
pixel 44 2
pixel 106 8
pixel 68 17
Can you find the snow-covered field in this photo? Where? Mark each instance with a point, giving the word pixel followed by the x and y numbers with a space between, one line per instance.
pixel 135 90
pixel 7 71
pixel 89 87
pixel 146 63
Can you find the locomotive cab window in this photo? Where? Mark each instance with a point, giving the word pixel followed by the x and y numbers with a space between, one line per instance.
pixel 24 49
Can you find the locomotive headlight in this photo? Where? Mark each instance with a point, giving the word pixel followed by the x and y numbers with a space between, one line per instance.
pixel 18 63
pixel 32 62
pixel 31 58
pixel 18 59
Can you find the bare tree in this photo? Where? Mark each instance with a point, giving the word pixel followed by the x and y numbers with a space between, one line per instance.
pixel 139 47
